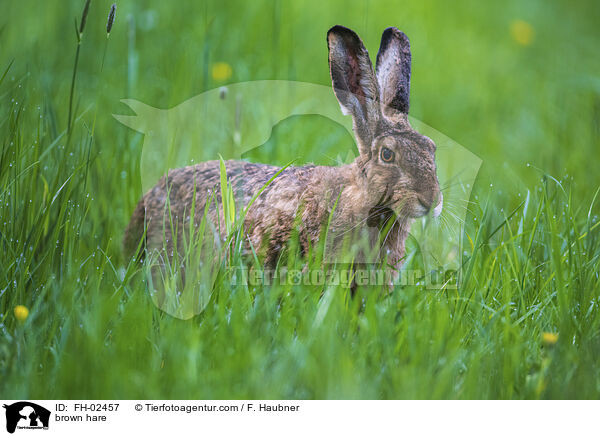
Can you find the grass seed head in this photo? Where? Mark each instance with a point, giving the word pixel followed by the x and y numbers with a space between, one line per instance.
pixel 84 14
pixel 111 18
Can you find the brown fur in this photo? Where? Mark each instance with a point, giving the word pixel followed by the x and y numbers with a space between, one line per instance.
pixel 371 194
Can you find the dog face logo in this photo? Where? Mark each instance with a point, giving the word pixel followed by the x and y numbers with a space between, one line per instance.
pixel 26 415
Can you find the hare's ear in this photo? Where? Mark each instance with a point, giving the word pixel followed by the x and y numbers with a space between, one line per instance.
pixel 354 82
pixel 393 72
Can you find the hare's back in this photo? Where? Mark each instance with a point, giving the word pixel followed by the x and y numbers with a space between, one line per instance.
pixel 246 178
pixel 184 189
pixel 203 181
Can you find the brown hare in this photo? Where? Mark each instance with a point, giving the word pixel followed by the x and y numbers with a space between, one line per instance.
pixel 390 183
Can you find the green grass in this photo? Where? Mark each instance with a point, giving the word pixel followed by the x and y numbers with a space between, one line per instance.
pixel 532 247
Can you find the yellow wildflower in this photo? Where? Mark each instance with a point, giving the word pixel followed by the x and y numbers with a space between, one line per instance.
pixel 549 338
pixel 522 32
pixel 221 71
pixel 21 313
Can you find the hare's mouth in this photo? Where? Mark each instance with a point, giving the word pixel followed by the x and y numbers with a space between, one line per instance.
pixel 381 216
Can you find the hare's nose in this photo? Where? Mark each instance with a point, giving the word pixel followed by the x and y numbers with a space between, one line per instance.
pixel 437 210
pixel 426 204
pixel 429 201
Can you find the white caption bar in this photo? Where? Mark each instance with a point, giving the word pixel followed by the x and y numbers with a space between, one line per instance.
pixel 298 417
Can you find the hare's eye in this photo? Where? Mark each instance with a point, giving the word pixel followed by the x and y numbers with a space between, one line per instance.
pixel 387 155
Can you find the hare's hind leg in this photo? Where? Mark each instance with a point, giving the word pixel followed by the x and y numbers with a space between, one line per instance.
pixel 132 239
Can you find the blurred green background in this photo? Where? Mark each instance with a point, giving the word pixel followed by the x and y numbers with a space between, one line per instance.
pixel 517 83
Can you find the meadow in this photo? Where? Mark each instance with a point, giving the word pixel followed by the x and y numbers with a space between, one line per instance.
pixel 516 83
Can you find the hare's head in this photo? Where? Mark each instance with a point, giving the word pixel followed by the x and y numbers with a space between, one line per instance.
pixel 398 163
